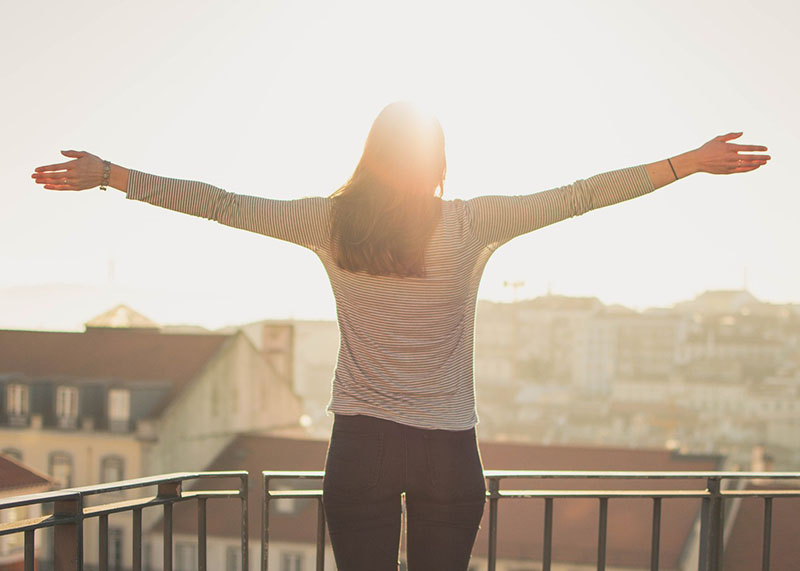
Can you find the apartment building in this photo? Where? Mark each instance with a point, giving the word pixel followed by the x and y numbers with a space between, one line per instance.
pixel 126 399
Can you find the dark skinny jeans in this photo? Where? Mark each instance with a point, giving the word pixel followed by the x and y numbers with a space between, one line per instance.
pixel 370 463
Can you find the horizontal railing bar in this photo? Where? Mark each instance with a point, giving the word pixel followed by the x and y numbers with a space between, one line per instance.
pixel 115 507
pixel 75 493
pixel 154 481
pixel 303 475
pixel 35 523
pixel 636 475
pixel 127 505
pixel 760 493
pixel 591 493
pixel 602 494
pixel 208 494
pixel 578 474
pixel 42 498
pixel 295 494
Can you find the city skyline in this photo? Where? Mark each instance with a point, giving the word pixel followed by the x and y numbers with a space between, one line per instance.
pixel 37 307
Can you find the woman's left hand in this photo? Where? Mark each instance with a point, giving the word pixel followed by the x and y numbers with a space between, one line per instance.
pixel 83 172
pixel 720 156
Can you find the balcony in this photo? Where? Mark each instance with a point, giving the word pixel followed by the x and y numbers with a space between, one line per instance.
pixel 714 493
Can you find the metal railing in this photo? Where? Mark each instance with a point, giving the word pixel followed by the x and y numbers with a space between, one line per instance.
pixel 69 512
pixel 712 496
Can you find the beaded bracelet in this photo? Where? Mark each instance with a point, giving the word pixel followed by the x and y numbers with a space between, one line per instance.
pixel 106 175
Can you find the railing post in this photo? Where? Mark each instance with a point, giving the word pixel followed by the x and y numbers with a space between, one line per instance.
pixel 494 497
pixel 320 536
pixel 265 526
pixel 767 539
pixel 244 487
pixel 202 535
pixel 137 539
pixel 103 542
pixel 30 550
pixel 68 537
pixel 602 525
pixel 547 547
pixel 170 491
pixel 655 542
pixel 715 525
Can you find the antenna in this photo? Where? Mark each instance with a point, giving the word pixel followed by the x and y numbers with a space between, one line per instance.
pixel 514 287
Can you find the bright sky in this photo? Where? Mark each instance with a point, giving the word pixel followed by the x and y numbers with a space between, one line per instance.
pixel 275 99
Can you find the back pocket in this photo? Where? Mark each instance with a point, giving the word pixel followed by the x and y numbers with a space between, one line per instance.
pixel 455 465
pixel 354 462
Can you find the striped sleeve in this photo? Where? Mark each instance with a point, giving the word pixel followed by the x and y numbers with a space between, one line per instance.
pixel 494 220
pixel 303 221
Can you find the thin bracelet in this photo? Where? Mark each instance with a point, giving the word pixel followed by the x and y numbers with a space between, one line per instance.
pixel 106 175
pixel 673 169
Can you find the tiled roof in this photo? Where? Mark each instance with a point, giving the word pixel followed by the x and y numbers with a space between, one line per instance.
pixel 107 354
pixel 520 527
pixel 15 475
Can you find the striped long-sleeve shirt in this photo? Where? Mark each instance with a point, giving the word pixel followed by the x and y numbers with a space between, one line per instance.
pixel 406 344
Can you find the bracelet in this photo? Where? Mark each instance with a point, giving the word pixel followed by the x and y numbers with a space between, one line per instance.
pixel 106 175
pixel 673 169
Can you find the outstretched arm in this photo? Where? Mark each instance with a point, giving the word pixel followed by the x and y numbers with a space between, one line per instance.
pixel 83 172
pixel 718 156
pixel 302 221
pixel 496 219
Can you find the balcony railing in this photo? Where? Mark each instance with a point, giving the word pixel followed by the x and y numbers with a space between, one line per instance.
pixel 717 489
pixel 70 510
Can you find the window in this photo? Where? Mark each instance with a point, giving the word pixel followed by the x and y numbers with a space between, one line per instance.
pixel 185 556
pixel 291 561
pixel 112 469
pixel 119 409
pixel 17 400
pixel 67 406
pixel 114 549
pixel 233 558
pixel 60 467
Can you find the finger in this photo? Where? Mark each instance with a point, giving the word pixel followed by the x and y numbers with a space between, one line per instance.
pixel 740 148
pixel 728 137
pixel 55 179
pixel 74 154
pixel 59 187
pixel 753 157
pixel 748 164
pixel 748 168
pixel 55 167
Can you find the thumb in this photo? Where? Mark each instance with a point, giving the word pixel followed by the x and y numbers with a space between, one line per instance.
pixel 729 136
pixel 74 154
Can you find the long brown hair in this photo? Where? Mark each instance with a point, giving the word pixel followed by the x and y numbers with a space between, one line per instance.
pixel 383 217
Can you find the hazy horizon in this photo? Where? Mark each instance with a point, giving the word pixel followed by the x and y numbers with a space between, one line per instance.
pixel 41 306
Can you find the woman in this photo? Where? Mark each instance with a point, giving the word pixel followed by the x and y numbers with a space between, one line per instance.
pixel 405 267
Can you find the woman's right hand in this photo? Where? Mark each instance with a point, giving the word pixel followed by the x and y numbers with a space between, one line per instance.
pixel 83 172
